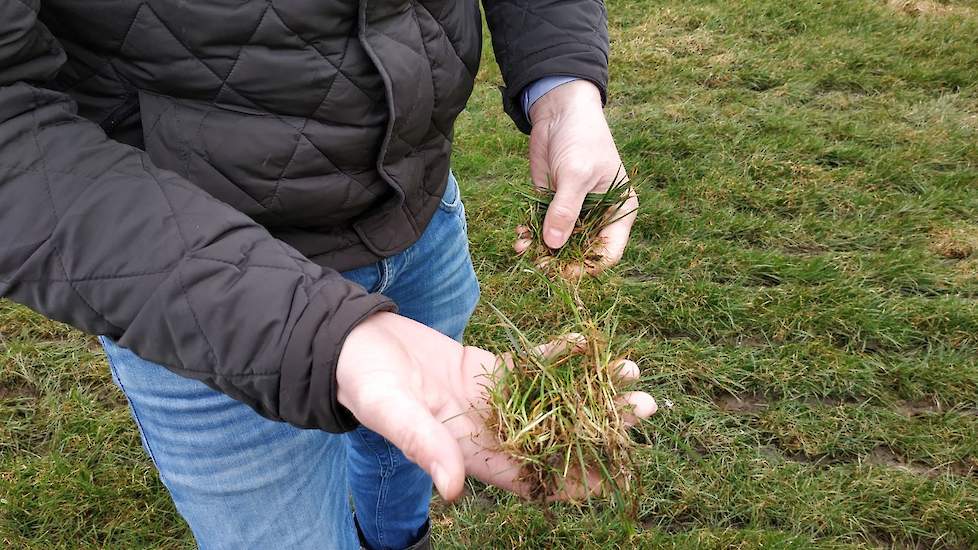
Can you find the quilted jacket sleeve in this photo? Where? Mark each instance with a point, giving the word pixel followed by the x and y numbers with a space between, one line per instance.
pixel 92 234
pixel 533 39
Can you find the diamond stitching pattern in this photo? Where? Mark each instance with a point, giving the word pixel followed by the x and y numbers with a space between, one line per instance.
pixel 202 234
pixel 528 11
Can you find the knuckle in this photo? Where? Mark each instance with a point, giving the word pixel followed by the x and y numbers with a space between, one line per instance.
pixel 410 445
pixel 578 170
pixel 562 213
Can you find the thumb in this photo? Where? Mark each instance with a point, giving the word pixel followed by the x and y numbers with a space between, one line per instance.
pixel 562 214
pixel 408 424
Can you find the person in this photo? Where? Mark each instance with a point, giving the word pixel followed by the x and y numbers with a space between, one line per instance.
pixel 251 203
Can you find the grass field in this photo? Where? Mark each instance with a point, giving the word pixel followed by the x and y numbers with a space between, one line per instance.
pixel 803 275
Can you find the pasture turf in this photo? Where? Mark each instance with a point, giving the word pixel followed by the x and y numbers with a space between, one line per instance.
pixel 802 281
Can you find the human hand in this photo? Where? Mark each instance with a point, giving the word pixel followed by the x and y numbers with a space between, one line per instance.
pixel 573 151
pixel 427 395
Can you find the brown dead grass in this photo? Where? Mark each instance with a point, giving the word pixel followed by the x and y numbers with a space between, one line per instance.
pixel 916 8
pixel 966 272
pixel 956 243
pixel 658 41
pixel 972 121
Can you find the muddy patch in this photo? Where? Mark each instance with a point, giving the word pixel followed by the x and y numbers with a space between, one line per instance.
pixel 742 404
pixel 12 390
pixel 884 457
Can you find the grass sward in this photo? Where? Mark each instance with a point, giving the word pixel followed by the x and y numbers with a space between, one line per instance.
pixel 599 210
pixel 559 413
pixel 808 180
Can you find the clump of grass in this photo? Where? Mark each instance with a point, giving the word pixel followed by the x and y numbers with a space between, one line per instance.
pixel 558 414
pixel 599 210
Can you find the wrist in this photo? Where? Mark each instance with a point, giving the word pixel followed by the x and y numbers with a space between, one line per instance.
pixel 579 94
pixel 362 338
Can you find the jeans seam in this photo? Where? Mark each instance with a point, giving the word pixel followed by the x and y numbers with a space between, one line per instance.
pixel 384 268
pixel 378 286
pixel 385 485
pixel 465 224
pixel 385 475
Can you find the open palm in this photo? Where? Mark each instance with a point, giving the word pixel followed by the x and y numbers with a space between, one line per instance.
pixel 428 396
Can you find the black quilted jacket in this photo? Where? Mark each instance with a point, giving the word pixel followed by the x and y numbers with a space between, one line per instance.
pixel 187 177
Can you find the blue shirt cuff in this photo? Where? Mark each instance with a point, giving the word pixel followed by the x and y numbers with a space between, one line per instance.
pixel 538 89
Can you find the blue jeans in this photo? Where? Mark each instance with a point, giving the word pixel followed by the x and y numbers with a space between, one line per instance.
pixel 243 481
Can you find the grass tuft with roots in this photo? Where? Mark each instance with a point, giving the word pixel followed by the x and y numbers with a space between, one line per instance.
pixel 599 210
pixel 559 415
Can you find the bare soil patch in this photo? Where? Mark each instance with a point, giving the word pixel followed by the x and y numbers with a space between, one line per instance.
pixel 17 390
pixel 742 403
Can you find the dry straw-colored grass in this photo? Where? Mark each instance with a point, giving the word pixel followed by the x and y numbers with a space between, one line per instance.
pixel 560 414
pixel 927 7
pixel 956 243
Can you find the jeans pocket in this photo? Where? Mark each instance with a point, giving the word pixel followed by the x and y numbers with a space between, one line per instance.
pixel 451 200
pixel 373 277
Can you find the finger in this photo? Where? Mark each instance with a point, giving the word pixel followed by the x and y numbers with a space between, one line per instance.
pixel 408 424
pixel 627 371
pixel 609 246
pixel 636 406
pixel 543 263
pixel 569 343
pixel 524 239
pixel 573 271
pixel 499 470
pixel 576 489
pixel 562 213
